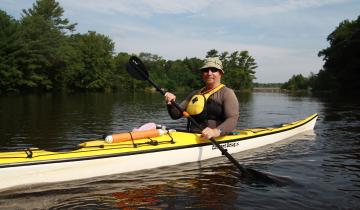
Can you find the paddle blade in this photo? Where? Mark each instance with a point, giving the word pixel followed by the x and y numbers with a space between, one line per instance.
pixel 136 68
pixel 253 176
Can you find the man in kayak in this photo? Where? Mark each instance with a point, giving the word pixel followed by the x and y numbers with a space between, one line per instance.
pixel 215 106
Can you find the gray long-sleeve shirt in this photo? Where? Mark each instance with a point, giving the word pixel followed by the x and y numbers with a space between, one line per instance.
pixel 225 97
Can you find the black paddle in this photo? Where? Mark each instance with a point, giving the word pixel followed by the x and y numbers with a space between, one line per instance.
pixel 137 69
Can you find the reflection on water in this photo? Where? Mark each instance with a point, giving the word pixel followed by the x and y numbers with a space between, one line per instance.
pixel 214 185
pixel 325 164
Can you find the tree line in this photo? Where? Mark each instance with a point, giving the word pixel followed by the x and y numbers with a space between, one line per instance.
pixel 341 70
pixel 41 52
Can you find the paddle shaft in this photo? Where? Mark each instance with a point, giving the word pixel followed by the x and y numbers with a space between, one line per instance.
pixel 137 69
pixel 193 121
pixel 213 141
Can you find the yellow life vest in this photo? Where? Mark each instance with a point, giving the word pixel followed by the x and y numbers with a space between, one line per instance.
pixel 197 102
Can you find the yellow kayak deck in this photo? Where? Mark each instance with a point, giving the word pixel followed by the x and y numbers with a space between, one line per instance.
pixel 99 148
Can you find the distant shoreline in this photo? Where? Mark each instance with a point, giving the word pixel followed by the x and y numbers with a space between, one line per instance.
pixel 269 90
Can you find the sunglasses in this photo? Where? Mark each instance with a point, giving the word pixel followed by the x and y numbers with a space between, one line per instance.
pixel 213 70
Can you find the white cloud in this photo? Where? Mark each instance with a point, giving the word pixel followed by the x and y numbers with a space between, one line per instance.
pixel 279 6
pixel 207 8
pixel 275 64
pixel 142 8
pixel 176 6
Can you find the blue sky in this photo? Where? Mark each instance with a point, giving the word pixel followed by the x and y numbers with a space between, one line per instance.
pixel 284 36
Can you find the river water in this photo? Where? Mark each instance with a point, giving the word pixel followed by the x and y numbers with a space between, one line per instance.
pixel 324 164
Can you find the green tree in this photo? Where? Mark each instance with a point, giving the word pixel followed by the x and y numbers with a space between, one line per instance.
pixel 10 75
pixel 239 70
pixel 97 62
pixel 341 70
pixel 51 11
pixel 184 74
pixel 248 64
pixel 40 53
pixel 121 78
pixel 212 53
pixel 155 66
pixel 296 82
pixel 46 55
pixel 192 79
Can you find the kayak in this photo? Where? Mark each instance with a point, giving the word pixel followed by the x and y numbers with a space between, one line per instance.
pixel 99 158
